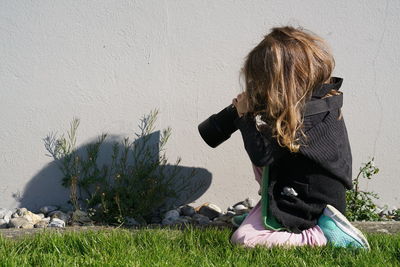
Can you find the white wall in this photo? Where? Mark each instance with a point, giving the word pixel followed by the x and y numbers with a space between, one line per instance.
pixel 110 62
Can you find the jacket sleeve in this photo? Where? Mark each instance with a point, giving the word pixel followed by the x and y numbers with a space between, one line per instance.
pixel 262 150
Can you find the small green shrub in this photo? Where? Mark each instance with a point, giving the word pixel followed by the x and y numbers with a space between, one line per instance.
pixel 136 182
pixel 360 204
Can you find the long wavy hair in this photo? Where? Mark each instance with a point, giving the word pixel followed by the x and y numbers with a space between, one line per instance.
pixel 280 74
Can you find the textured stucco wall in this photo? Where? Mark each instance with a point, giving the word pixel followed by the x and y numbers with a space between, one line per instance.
pixel 110 62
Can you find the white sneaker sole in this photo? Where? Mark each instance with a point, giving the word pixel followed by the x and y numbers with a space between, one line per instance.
pixel 342 222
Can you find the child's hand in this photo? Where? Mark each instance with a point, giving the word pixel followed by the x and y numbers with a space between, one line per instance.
pixel 241 104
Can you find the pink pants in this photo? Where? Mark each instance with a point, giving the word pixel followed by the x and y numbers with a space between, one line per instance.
pixel 252 231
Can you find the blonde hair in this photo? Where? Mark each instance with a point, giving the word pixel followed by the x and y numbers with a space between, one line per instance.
pixel 280 73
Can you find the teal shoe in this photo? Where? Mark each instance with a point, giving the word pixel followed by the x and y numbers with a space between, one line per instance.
pixel 238 219
pixel 339 231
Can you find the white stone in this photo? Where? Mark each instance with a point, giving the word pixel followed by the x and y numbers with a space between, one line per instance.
pixel 27 225
pixel 7 216
pixel 240 207
pixel 17 222
pixel 59 215
pixel 22 211
pixel 249 202
pixel 3 212
pixel 55 222
pixel 32 217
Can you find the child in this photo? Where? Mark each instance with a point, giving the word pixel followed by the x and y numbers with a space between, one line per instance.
pixel 307 151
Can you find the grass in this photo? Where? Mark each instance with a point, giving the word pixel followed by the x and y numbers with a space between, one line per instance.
pixel 191 247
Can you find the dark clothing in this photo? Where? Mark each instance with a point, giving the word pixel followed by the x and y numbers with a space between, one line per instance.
pixel 319 173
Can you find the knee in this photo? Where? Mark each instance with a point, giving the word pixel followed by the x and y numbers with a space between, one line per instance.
pixel 236 237
pixel 240 237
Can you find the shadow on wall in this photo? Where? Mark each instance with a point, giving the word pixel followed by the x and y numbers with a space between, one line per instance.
pixel 45 188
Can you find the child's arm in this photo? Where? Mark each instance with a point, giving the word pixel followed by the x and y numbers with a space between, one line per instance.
pixel 261 149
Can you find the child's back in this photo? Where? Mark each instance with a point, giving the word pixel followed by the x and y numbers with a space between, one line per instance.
pixel 303 137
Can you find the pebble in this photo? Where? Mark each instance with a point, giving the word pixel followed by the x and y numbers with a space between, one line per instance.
pixel 3 224
pixel 7 216
pixel 201 219
pixel 27 225
pixel 172 214
pixel 3 212
pixel 187 210
pixel 53 216
pixel 55 222
pixel 81 217
pixel 230 213
pixel 210 210
pixel 17 222
pixel 249 203
pixel 41 224
pixel 31 217
pixel 59 215
pixel 240 207
pixel 237 203
pixel 48 209
pixel 21 211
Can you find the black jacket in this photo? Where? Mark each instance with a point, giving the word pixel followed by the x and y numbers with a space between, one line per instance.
pixel 319 173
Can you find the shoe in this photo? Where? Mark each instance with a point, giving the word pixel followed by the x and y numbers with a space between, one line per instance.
pixel 238 219
pixel 339 231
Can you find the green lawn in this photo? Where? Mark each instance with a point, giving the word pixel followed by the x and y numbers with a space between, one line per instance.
pixel 192 247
